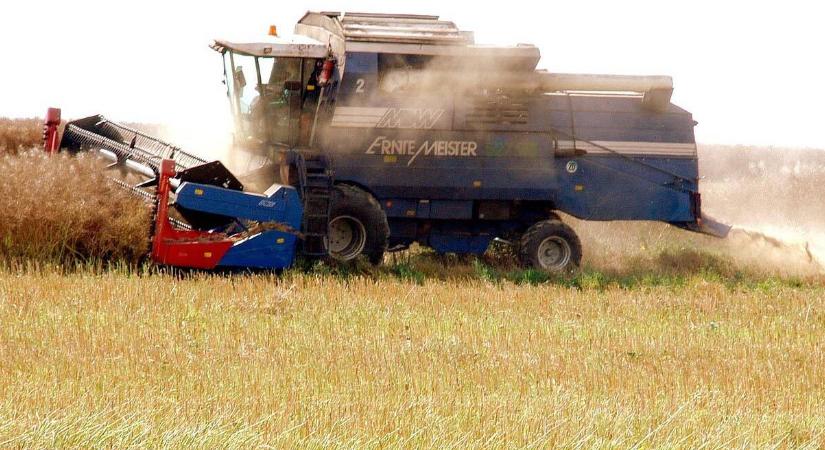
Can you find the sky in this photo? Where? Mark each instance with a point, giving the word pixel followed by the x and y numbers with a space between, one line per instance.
pixel 749 71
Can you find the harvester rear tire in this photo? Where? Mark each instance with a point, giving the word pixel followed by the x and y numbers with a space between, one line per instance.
pixel 551 246
pixel 357 216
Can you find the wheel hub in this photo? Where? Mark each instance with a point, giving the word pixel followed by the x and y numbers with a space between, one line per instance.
pixel 347 238
pixel 554 253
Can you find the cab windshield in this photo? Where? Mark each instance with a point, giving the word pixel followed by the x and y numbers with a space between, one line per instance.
pixel 262 90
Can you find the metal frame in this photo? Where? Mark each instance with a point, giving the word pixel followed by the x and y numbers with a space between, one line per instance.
pixel 296 47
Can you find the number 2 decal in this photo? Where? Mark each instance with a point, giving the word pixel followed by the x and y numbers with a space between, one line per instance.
pixel 359 86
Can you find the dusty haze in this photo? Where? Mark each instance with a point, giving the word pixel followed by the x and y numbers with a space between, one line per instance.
pixel 772 197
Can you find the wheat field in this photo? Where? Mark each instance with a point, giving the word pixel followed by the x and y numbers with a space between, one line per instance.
pixel 664 339
pixel 116 359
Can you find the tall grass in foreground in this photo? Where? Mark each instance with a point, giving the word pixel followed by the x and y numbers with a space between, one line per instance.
pixel 113 360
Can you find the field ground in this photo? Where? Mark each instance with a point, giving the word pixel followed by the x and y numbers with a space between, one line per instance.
pixel 116 358
pixel 664 339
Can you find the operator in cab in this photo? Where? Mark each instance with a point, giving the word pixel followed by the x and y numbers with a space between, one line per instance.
pixel 270 108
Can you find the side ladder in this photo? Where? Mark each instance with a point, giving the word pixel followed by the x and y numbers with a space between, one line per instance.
pixel 315 180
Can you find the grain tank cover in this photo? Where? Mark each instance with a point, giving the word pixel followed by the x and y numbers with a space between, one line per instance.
pixel 407 34
pixel 511 66
pixel 395 28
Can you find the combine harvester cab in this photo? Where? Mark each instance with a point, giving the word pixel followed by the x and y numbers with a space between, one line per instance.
pixel 456 144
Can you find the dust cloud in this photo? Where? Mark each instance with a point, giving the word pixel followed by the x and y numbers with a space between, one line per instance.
pixel 771 196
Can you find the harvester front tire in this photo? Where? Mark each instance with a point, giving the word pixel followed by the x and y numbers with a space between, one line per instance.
pixel 551 246
pixel 357 226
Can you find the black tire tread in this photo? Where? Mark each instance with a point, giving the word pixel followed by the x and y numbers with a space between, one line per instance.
pixel 375 221
pixel 541 230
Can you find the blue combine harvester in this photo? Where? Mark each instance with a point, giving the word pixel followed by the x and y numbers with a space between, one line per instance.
pixel 396 129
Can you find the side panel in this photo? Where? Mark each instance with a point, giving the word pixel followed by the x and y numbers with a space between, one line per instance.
pixel 266 250
pixel 610 188
pixel 598 187
pixel 444 164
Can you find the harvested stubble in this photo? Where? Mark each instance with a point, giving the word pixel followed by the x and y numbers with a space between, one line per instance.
pixel 62 209
pixel 110 360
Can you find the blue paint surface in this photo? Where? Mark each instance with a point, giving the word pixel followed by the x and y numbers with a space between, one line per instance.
pixel 424 190
pixel 270 249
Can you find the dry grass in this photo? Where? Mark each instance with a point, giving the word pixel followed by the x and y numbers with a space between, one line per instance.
pixel 17 135
pixel 63 209
pixel 115 360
